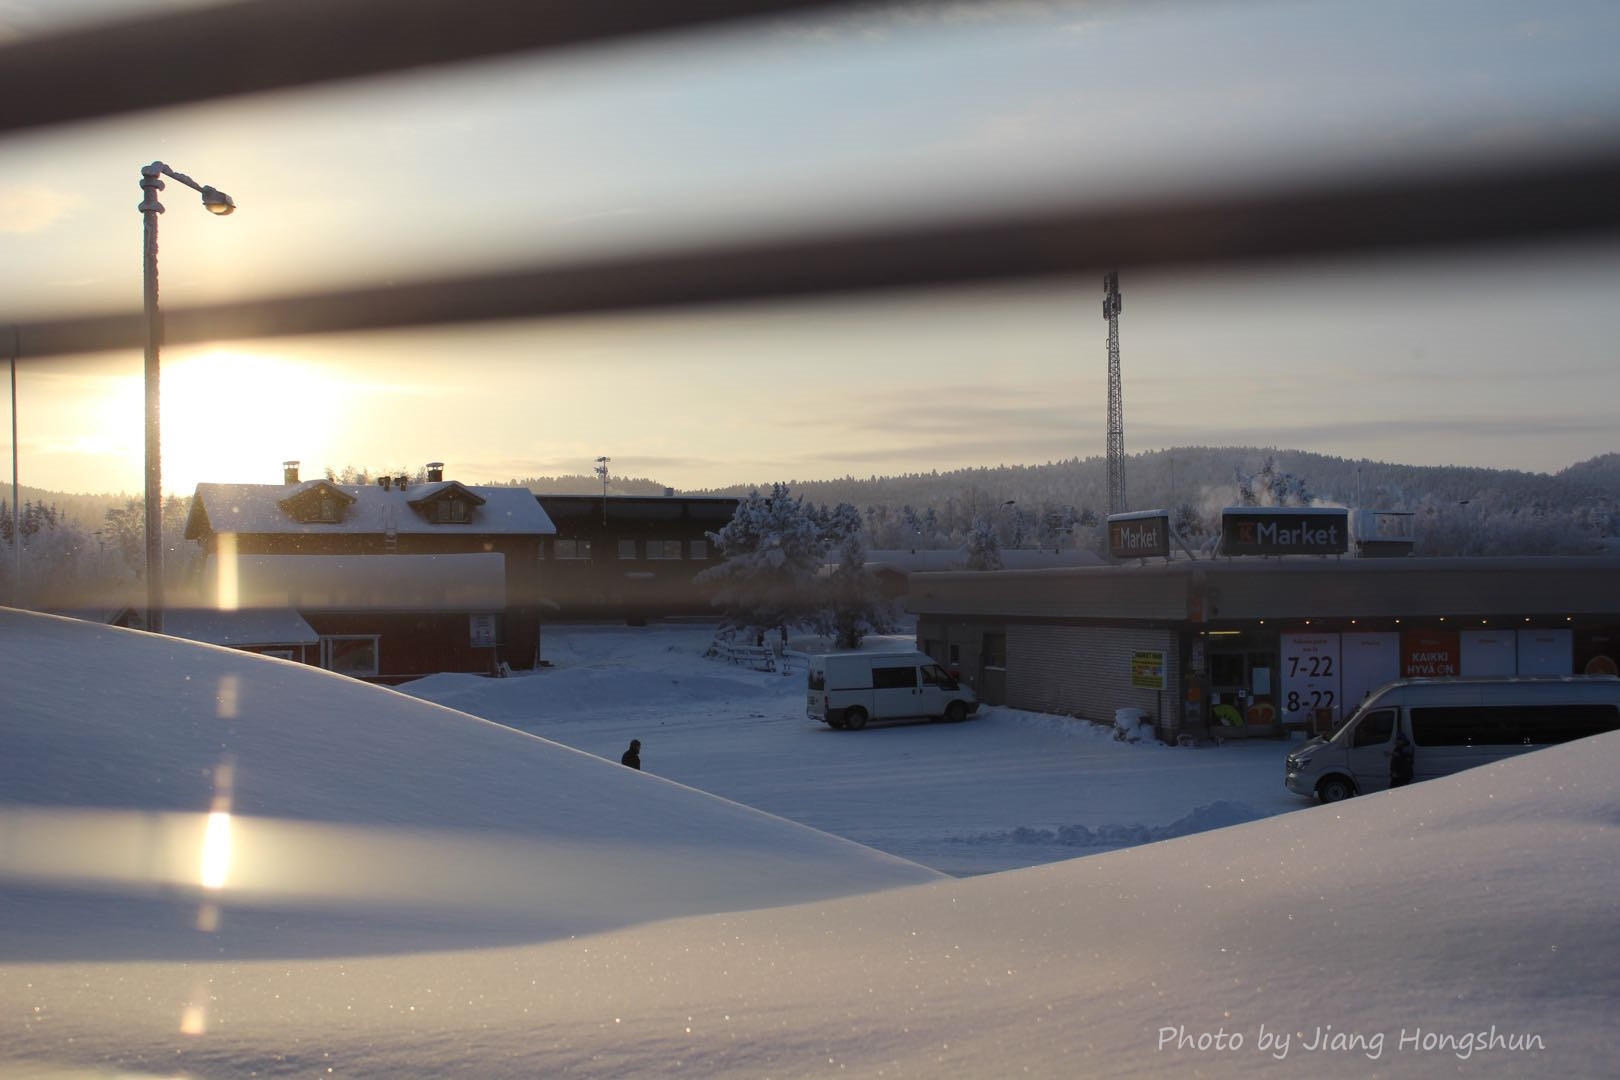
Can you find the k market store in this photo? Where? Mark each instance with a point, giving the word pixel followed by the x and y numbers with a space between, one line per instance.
pixel 1235 647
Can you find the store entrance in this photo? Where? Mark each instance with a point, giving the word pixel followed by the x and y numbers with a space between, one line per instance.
pixel 1243 688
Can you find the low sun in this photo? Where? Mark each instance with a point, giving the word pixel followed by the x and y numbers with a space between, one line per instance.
pixel 233 417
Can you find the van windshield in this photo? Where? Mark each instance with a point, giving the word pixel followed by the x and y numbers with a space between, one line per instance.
pixel 1348 721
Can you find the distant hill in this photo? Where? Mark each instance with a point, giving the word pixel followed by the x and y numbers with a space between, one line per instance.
pixel 1205 477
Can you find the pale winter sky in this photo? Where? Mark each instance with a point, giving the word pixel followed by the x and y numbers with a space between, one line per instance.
pixel 1502 360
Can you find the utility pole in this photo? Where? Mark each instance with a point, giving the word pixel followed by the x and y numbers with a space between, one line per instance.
pixel 1116 408
pixel 602 472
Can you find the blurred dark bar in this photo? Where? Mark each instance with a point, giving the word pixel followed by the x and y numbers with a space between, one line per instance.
pixel 1392 214
pixel 255 45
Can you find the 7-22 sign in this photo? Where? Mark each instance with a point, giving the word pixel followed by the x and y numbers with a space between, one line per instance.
pixel 1310 676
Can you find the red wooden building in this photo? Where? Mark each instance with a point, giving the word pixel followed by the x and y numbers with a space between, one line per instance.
pixel 397 579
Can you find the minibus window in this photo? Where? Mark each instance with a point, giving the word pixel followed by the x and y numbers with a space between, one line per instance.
pixel 1375 729
pixel 934 675
pixel 894 678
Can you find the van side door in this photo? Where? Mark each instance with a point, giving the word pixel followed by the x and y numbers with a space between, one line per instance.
pixel 938 690
pixel 894 689
pixel 1371 746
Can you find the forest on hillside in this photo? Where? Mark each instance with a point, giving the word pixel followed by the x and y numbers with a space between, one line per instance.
pixel 89 549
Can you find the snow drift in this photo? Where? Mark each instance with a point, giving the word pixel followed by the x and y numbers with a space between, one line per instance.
pixel 1469 925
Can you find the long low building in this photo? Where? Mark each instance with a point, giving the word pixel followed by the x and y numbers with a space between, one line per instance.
pixel 1239 647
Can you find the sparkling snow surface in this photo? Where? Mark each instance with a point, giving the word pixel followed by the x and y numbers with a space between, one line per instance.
pixel 401 890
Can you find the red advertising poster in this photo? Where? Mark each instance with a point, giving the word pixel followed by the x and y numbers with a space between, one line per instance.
pixel 1429 653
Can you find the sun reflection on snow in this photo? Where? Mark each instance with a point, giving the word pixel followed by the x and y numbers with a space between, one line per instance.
pixel 216 846
pixel 216 853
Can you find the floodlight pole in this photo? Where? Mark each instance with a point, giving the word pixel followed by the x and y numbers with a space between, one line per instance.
pixel 217 202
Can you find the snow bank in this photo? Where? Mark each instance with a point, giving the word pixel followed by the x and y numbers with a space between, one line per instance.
pixel 1464 926
pixel 345 797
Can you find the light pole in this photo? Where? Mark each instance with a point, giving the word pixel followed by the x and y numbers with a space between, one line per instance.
pixel 217 202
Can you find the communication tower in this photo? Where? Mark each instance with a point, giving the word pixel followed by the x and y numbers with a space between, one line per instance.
pixel 1116 408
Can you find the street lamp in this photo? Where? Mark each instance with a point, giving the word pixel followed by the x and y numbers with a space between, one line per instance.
pixel 216 202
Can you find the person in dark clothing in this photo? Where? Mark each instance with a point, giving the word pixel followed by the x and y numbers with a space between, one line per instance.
pixel 632 756
pixel 1400 761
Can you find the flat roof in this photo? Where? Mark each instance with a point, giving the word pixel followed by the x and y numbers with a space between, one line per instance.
pixel 1207 590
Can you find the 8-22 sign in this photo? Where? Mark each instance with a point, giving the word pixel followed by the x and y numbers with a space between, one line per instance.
pixel 1310 676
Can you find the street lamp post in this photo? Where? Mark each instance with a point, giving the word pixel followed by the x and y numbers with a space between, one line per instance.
pixel 217 202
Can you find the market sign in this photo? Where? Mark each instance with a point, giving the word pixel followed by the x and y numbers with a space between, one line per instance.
pixel 1248 530
pixel 1144 535
pixel 1430 654
pixel 1147 670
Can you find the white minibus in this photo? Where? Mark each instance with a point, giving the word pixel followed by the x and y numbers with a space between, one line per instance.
pixel 845 690
pixel 1450 725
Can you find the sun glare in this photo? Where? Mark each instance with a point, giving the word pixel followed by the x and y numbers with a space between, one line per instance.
pixel 233 417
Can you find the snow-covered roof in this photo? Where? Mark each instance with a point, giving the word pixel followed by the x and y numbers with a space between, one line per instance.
pixel 467 582
pixel 257 508
pixel 258 626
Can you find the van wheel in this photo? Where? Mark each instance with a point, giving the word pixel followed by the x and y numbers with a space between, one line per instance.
pixel 1334 789
pixel 855 719
pixel 955 712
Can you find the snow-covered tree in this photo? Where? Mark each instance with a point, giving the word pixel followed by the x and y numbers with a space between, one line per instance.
pixel 852 607
pixel 773 549
pixel 983 548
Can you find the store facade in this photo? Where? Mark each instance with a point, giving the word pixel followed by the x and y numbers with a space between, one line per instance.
pixel 1244 647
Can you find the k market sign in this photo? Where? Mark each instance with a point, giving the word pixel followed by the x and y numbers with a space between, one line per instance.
pixel 1144 535
pixel 1247 531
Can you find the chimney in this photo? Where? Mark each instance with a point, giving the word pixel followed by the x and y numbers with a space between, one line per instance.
pixel 385 482
pixel 289 472
pixel 435 472
pixel 669 493
pixel 401 480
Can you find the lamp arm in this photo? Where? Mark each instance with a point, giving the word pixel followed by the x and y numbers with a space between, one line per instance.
pixel 158 166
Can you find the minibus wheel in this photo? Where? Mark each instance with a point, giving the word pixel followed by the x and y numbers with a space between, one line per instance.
pixel 1334 789
pixel 955 712
pixel 855 719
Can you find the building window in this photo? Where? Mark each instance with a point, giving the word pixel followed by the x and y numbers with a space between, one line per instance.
pixel 700 549
pixel 328 510
pixel 663 549
pixel 570 549
pixel 627 549
pixel 993 653
pixel 350 655
pixel 450 512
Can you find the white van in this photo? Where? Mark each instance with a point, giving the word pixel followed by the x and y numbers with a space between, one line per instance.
pixel 845 690
pixel 1451 725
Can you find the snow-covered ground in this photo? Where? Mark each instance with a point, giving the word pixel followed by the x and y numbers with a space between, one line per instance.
pixel 1005 789
pixel 214 865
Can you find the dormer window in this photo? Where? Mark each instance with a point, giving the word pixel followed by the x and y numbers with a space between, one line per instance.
pixel 449 504
pixel 319 503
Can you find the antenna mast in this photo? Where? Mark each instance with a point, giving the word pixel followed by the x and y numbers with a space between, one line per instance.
pixel 1116 408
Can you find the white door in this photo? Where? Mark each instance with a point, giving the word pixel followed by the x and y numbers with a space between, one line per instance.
pixel 894 690
pixel 1372 744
